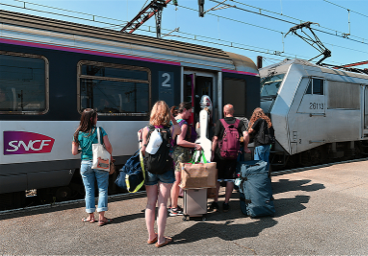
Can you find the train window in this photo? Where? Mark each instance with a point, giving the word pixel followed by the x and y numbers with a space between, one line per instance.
pixel 114 89
pixel 23 85
pixel 316 86
pixel 309 90
pixel 94 70
pixel 270 85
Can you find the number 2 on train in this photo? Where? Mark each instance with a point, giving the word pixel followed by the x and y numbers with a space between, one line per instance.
pixel 166 83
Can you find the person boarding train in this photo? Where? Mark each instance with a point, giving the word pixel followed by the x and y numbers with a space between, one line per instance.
pixel 226 167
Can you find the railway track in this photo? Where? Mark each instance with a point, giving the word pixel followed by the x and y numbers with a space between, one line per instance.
pixel 142 193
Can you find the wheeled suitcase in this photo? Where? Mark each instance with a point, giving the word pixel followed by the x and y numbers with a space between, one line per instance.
pixel 195 203
pixel 255 191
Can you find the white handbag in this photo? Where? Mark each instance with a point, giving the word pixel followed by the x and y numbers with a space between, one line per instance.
pixel 101 157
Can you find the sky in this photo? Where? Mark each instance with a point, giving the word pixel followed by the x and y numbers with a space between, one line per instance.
pixel 247 27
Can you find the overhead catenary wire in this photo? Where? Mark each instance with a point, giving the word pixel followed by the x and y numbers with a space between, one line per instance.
pixel 65 15
pixel 342 34
pixel 103 17
pixel 149 29
pixel 348 9
pixel 273 30
pixel 300 20
pixel 93 19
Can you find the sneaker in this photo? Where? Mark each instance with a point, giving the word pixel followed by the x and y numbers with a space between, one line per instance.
pixel 225 207
pixel 169 209
pixel 214 206
pixel 176 211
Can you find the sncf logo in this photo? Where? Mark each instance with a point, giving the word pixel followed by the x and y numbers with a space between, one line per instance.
pixel 18 142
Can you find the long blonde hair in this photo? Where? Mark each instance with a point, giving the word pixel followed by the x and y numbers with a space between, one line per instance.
pixel 160 114
pixel 258 113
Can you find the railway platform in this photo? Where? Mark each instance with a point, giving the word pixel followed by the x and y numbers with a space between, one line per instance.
pixel 319 211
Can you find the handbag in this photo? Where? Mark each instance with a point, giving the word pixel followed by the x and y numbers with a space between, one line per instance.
pixel 131 177
pixel 112 168
pixel 196 175
pixel 101 157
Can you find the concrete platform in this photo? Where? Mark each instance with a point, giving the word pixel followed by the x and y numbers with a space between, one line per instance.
pixel 320 211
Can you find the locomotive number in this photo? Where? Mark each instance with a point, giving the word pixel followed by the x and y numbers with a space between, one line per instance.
pixel 167 80
pixel 313 105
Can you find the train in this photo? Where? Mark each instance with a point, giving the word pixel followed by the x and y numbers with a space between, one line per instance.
pixel 50 70
pixel 319 113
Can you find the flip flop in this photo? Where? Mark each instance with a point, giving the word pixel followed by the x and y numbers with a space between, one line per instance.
pixel 87 220
pixel 167 241
pixel 154 240
pixel 104 222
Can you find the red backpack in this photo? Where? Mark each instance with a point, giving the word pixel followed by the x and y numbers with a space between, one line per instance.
pixel 230 144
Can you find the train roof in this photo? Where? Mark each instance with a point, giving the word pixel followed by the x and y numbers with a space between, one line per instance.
pixel 27 27
pixel 282 67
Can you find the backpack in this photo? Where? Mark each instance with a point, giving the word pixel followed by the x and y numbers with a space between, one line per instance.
pixel 191 135
pixel 131 177
pixel 160 162
pixel 265 135
pixel 255 190
pixel 230 144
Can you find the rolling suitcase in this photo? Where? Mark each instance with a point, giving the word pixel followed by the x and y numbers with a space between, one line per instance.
pixel 255 191
pixel 195 203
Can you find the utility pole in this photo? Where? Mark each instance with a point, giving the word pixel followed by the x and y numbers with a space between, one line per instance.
pixel 155 7
pixel 201 8
pixel 259 62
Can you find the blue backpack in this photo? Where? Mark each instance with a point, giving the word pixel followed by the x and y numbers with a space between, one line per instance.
pixel 255 189
pixel 131 177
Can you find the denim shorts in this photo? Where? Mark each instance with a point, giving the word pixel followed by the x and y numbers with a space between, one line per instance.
pixel 153 179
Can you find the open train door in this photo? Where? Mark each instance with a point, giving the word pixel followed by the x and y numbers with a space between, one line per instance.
pixel 197 84
pixel 365 111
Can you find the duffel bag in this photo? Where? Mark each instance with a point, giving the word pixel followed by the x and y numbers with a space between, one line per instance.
pixel 131 177
pixel 255 191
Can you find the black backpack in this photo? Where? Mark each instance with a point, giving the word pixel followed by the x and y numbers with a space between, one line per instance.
pixel 265 135
pixel 160 162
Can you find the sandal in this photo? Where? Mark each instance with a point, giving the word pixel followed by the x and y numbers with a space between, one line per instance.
pixel 104 222
pixel 154 240
pixel 88 220
pixel 167 241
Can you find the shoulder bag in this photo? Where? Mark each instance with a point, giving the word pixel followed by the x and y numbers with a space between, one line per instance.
pixel 101 157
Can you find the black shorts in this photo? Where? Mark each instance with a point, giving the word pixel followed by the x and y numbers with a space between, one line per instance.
pixel 226 168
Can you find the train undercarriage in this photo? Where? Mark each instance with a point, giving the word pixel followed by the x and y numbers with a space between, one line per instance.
pixel 327 153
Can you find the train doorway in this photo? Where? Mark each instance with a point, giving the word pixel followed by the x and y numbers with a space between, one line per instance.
pixel 195 86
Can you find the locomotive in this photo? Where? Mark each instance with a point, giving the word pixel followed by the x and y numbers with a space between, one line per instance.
pixel 319 113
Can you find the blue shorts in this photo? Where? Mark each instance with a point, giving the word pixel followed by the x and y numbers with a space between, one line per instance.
pixel 153 179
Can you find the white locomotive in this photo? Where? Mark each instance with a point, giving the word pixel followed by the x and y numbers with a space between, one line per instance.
pixel 318 113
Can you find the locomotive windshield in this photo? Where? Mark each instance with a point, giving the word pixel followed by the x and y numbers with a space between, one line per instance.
pixel 270 85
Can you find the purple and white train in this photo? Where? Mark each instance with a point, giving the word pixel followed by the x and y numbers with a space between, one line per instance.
pixel 50 70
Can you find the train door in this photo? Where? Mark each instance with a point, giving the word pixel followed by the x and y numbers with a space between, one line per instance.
pixel 365 111
pixel 197 84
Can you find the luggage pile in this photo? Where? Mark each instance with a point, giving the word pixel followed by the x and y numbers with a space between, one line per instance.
pixel 196 177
